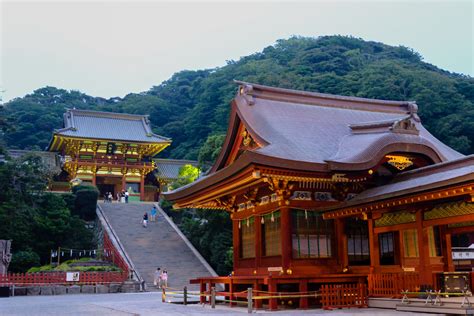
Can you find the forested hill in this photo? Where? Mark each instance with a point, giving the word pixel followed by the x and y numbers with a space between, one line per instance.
pixel 193 105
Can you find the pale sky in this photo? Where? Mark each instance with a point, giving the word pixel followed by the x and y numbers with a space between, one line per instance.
pixel 112 48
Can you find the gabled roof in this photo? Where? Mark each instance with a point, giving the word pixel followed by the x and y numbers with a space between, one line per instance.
pixel 168 169
pixel 307 131
pixel 329 131
pixel 109 126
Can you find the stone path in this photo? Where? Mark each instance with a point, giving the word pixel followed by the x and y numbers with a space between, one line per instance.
pixel 158 245
pixel 146 304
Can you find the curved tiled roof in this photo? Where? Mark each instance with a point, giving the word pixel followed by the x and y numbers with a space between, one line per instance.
pixel 107 125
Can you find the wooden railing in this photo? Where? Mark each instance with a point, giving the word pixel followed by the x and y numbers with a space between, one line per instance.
pixel 343 295
pixel 392 284
pixel 112 255
pixel 48 278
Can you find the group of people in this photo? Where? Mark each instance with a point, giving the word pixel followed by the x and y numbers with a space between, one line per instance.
pixel 161 278
pixel 121 197
pixel 152 217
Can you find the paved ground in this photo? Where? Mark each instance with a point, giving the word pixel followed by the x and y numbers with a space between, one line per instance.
pixel 142 304
pixel 158 245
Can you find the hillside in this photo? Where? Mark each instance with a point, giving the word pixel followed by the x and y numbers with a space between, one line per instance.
pixel 193 105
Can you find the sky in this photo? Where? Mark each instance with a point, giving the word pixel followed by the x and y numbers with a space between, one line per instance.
pixel 112 48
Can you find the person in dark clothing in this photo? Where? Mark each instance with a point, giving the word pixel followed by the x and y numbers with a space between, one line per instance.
pixel 145 219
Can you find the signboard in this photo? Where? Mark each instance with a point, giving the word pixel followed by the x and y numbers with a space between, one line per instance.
pixel 408 269
pixel 72 276
pixel 275 269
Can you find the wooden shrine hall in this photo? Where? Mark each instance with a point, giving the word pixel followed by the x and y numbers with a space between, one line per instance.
pixel 326 189
pixel 112 151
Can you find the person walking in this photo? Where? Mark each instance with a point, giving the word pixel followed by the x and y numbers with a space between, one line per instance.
pixel 157 278
pixel 153 214
pixel 145 219
pixel 126 196
pixel 164 279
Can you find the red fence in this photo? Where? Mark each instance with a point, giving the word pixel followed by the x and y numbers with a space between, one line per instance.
pixel 112 255
pixel 41 278
pixel 392 284
pixel 343 295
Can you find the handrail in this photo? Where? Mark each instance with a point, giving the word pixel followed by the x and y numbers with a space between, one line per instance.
pixel 116 241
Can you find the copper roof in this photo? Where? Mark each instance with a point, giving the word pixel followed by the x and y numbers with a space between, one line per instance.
pixel 308 131
pixel 419 180
pixel 168 169
pixel 109 126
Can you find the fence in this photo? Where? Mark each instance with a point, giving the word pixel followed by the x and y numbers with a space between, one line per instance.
pixel 47 278
pixel 111 254
pixel 343 295
pixel 392 284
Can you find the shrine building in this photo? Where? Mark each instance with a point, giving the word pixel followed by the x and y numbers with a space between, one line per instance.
pixel 112 151
pixel 326 189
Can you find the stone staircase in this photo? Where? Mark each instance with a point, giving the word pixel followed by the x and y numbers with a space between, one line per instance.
pixel 161 244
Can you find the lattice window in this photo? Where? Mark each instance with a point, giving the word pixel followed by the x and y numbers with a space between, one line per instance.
pixel 311 235
pixel 410 243
pixel 271 234
pixel 247 238
pixel 387 246
pixel 357 242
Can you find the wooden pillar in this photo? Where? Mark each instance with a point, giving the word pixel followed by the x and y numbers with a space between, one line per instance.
pixel 231 292
pixel 304 288
pixel 373 247
pixel 448 252
pixel 236 242
pixel 202 290
pixel 423 250
pixel 142 187
pixel 94 179
pixel 286 245
pixel 272 288
pixel 256 289
pixel 258 241
pixel 341 236
pixel 124 183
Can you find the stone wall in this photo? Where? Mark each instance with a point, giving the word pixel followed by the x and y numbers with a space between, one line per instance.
pixel 75 289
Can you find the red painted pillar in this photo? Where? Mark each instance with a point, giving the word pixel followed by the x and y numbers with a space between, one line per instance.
pixel 256 289
pixel 304 288
pixel 202 290
pixel 142 188
pixel 272 288
pixel 285 237
pixel 236 242
pixel 258 242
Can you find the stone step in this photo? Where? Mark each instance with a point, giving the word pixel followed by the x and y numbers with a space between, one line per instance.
pixel 158 245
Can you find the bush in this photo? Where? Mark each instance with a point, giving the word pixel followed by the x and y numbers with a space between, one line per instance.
pixel 86 201
pixel 23 260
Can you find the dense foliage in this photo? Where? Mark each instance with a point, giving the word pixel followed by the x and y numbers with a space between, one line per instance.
pixel 193 105
pixel 36 221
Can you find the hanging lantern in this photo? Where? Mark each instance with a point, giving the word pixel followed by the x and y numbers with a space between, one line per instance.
pixel 248 222
pixel 272 218
pixel 62 253
pixel 239 224
pixel 306 214
pixel 262 220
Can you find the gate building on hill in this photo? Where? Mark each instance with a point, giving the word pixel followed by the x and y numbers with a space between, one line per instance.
pixel 112 151
pixel 326 189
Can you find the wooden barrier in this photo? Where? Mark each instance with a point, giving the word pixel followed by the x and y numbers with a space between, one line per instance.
pixel 343 295
pixel 112 255
pixel 48 278
pixel 392 284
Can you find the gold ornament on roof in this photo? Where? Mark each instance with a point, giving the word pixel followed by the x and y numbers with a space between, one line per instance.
pixel 399 162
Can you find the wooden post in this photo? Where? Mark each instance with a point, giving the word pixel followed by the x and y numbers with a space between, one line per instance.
pixel 142 187
pixel 304 288
pixel 272 288
pixel 424 261
pixel 258 241
pixel 94 179
pixel 341 243
pixel 163 294
pixel 285 237
pixel 213 297
pixel 374 247
pixel 448 253
pixel 249 300
pixel 236 242
pixel 258 303
pixel 185 296
pixel 202 290
pixel 124 183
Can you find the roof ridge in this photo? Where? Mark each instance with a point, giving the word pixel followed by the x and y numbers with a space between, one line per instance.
pixel 107 114
pixel 357 103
